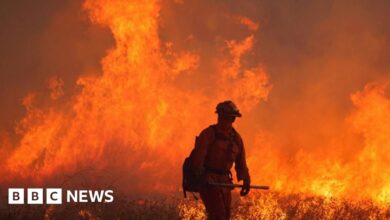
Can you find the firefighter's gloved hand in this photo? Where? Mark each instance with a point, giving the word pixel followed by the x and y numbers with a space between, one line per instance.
pixel 245 189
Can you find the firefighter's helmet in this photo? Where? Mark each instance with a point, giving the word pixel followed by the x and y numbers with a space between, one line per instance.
pixel 228 108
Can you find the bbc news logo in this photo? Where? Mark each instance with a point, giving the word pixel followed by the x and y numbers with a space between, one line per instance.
pixel 54 196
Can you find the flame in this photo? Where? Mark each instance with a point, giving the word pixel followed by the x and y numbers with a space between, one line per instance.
pixel 135 121
pixel 361 176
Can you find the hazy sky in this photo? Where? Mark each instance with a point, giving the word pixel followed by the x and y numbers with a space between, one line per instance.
pixel 39 41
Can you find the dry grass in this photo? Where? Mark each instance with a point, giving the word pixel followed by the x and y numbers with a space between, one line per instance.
pixel 260 205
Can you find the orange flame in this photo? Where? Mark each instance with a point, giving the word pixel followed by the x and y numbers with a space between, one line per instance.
pixel 359 175
pixel 136 120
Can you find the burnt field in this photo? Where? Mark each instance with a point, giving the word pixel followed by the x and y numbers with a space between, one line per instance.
pixel 259 205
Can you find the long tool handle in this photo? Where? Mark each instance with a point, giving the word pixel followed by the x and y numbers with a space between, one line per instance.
pixel 237 185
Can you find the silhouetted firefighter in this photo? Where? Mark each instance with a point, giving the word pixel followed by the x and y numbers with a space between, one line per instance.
pixel 207 169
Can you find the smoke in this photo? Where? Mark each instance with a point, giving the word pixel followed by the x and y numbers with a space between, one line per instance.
pixel 42 41
pixel 316 54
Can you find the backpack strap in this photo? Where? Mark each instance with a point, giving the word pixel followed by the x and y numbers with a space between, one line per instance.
pixel 236 137
pixel 214 127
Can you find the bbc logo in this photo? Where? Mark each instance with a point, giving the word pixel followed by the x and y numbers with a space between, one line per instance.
pixel 34 196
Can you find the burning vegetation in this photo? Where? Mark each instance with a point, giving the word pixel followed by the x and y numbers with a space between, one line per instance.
pixel 130 125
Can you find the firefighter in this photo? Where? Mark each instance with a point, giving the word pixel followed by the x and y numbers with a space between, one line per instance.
pixel 219 147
